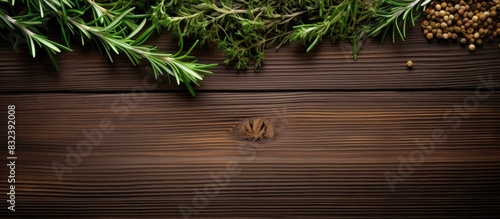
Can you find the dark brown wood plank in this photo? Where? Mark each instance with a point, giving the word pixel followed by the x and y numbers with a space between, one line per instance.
pixel 329 67
pixel 329 159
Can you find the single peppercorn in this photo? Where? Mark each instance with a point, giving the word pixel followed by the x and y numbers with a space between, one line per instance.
pixel 472 47
pixel 409 64
pixel 482 17
pixel 430 36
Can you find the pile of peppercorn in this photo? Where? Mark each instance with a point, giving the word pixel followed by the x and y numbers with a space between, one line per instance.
pixel 472 21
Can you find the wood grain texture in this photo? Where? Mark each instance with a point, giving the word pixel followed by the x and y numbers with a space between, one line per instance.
pixel 329 67
pixel 343 128
pixel 328 160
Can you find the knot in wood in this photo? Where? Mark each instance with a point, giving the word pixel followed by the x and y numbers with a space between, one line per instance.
pixel 255 129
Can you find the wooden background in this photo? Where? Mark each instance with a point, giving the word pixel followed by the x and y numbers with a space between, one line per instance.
pixel 343 126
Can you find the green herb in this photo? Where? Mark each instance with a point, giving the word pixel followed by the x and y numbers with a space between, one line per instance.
pixel 113 25
pixel 242 29
pixel 393 15
pixel 345 21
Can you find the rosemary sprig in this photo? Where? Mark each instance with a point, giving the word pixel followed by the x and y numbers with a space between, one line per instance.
pixel 393 15
pixel 113 25
pixel 25 31
pixel 174 65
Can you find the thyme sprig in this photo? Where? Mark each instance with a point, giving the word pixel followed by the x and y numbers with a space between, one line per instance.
pixel 241 29
pixel 341 21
